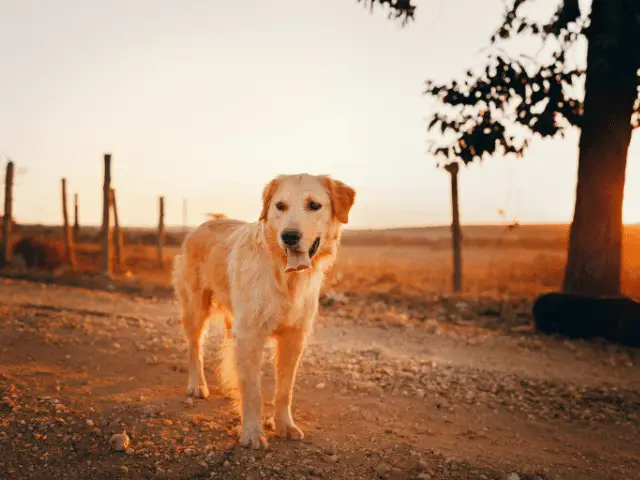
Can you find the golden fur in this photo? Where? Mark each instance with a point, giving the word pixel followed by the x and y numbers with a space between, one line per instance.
pixel 235 270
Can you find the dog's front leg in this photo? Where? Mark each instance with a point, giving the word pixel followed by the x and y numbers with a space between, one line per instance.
pixel 289 346
pixel 249 350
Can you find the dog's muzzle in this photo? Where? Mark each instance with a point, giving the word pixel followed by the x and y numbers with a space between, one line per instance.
pixel 301 260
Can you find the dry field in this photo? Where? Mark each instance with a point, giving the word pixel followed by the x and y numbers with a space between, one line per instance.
pixel 406 263
pixel 401 380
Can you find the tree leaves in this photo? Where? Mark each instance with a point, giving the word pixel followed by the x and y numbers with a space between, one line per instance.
pixel 398 9
pixel 499 108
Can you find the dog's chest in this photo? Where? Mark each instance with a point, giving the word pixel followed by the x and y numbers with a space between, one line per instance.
pixel 299 303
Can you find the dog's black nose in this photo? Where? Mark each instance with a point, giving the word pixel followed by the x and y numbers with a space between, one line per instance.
pixel 291 237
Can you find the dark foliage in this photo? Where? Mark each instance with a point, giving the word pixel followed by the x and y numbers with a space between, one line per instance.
pixel 401 9
pixel 46 254
pixel 581 316
pixel 499 109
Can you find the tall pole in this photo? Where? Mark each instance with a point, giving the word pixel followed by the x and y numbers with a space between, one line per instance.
pixel 184 215
pixel 106 230
pixel 161 233
pixel 68 238
pixel 76 220
pixel 7 220
pixel 118 246
pixel 456 234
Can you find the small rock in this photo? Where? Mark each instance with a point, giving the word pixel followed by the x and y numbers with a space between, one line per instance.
pixel 383 469
pixel 320 386
pixel 333 298
pixel 149 411
pixel 396 473
pixel 120 441
pixel 512 476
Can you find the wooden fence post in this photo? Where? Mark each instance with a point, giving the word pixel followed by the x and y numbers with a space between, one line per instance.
pixel 106 230
pixel 184 216
pixel 161 234
pixel 456 235
pixel 68 239
pixel 118 248
pixel 76 221
pixel 7 219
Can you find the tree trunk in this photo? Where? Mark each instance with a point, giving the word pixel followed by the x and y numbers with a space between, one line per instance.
pixel 595 241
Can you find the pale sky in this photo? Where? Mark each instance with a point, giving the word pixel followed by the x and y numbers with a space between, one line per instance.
pixel 208 100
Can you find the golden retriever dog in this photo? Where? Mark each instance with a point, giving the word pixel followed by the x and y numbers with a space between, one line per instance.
pixel 263 281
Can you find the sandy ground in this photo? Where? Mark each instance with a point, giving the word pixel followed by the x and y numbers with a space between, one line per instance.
pixel 380 394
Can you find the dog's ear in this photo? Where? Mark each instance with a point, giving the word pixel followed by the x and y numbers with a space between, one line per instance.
pixel 267 195
pixel 342 198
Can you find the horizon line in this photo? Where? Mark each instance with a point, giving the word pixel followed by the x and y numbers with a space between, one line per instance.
pixel 345 227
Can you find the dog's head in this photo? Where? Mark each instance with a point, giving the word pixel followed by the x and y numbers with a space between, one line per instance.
pixel 302 215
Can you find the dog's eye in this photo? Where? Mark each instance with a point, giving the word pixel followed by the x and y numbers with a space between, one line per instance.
pixel 281 206
pixel 314 205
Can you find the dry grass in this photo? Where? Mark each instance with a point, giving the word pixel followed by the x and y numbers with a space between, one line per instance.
pixel 410 263
pixel 496 261
pixel 421 271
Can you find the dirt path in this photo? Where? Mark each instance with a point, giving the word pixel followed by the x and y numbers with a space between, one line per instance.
pixel 376 399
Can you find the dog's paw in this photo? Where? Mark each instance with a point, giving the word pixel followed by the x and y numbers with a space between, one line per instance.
pixel 253 439
pixel 198 391
pixel 269 424
pixel 288 430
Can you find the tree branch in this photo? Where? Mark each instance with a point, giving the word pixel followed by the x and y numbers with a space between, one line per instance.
pixel 398 9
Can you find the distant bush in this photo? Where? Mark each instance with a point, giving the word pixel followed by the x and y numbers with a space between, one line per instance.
pixel 40 253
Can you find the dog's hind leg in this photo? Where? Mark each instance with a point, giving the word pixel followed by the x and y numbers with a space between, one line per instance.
pixel 227 368
pixel 194 320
